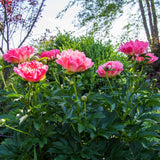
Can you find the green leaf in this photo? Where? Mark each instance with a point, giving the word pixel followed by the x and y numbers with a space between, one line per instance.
pixel 81 128
pixel 7 117
pixel 43 142
pixel 14 95
pixel 91 126
pixel 36 125
pixel 149 134
pixel 69 113
pixel 104 135
pixel 61 157
pixel 119 126
pixel 96 116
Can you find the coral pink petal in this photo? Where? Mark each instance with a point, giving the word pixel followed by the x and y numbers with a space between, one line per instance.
pixel 74 61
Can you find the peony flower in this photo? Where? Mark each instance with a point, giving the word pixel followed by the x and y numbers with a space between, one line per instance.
pixel 110 69
pixel 132 48
pixel 50 54
pixel 74 61
pixel 32 71
pixel 139 59
pixel 152 58
pixel 19 55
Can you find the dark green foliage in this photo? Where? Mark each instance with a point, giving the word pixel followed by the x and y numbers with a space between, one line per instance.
pixel 123 126
pixel 96 50
pixel 79 116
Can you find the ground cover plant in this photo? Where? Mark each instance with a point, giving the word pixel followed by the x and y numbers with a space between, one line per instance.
pixel 48 112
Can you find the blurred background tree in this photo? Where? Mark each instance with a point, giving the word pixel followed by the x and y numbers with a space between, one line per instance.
pixel 17 19
pixel 98 16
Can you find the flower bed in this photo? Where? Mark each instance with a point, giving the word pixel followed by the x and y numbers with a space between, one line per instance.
pixel 49 113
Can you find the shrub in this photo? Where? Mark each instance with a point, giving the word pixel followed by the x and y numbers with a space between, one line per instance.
pixel 58 118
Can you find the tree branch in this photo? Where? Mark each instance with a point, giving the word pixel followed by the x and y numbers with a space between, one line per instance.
pixel 1 50
pixel 7 27
pixel 32 24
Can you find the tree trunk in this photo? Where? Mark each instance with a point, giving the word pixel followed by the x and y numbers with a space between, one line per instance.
pixel 150 17
pixel 153 39
pixel 155 46
pixel 144 21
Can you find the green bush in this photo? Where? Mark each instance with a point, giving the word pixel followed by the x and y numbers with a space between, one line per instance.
pixel 81 116
pixel 96 50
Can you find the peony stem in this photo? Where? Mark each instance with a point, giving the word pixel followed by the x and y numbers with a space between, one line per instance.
pixel 56 79
pixel 29 93
pixel 35 95
pixel 3 80
pixel 110 85
pixel 13 88
pixel 85 111
pixel 17 130
pixel 76 96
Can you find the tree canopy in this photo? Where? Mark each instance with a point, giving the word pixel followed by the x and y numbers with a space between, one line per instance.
pixel 18 17
pixel 98 15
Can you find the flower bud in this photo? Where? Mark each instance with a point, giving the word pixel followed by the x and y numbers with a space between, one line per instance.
pixel 36 58
pixel 154 80
pixel 78 76
pixel 84 98
pixel 2 121
pixel 43 60
pixel 71 83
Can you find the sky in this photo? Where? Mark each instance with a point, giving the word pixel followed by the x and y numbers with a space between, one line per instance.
pixel 49 21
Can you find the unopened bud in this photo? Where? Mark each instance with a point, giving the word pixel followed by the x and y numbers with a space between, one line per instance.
pixel 36 58
pixel 154 80
pixel 78 76
pixel 2 121
pixel 44 61
pixel 71 83
pixel 69 72
pixel 84 98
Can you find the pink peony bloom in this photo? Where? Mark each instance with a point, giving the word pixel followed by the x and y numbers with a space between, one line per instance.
pixel 18 55
pixel 139 59
pixel 152 58
pixel 132 48
pixel 110 69
pixel 50 54
pixel 74 61
pixel 32 71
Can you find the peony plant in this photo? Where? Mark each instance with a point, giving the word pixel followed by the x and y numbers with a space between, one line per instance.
pixel 133 48
pixel 52 54
pixel 74 61
pixel 118 120
pixel 110 69
pixel 150 57
pixel 32 71
pixel 19 55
